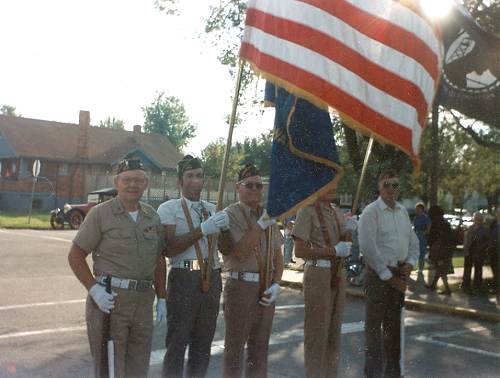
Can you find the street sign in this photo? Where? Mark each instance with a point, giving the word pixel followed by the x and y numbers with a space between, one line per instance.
pixel 36 168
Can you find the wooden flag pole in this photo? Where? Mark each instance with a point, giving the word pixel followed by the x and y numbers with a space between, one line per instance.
pixel 222 180
pixel 269 256
pixel 355 204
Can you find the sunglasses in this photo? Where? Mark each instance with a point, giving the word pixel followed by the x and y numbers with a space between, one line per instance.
pixel 395 185
pixel 251 185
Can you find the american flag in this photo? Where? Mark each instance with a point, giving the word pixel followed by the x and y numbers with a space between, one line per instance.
pixel 376 62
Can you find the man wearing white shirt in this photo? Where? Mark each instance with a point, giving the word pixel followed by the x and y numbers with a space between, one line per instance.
pixel 390 246
pixel 192 295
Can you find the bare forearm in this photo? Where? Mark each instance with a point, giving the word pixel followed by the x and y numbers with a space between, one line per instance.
pixel 177 244
pixel 78 263
pixel 225 243
pixel 247 243
pixel 278 265
pixel 160 277
pixel 307 251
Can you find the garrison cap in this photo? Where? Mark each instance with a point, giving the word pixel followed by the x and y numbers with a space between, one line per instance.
pixel 248 170
pixel 129 165
pixel 187 163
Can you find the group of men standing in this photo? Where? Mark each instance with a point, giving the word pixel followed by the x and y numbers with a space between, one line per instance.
pixel 129 241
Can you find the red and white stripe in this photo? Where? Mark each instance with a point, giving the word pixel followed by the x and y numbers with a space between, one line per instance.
pixel 374 61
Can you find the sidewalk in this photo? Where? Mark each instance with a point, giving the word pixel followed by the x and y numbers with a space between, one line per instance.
pixel 419 298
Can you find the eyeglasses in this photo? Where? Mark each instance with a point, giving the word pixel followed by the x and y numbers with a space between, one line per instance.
pixel 395 185
pixel 132 180
pixel 251 185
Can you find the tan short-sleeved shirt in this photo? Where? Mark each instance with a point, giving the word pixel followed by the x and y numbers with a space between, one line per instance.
pixel 238 227
pixel 119 245
pixel 308 229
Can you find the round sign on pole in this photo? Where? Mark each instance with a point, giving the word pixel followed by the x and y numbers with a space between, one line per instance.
pixel 36 167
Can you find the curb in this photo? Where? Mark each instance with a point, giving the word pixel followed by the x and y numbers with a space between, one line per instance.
pixel 423 306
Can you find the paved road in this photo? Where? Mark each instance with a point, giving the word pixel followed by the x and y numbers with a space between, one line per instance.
pixel 42 325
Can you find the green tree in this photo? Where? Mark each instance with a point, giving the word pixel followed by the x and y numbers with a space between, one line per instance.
pixel 112 123
pixel 9 110
pixel 213 155
pixel 257 151
pixel 166 115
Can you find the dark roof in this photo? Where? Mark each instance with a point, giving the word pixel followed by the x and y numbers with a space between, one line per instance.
pixel 48 140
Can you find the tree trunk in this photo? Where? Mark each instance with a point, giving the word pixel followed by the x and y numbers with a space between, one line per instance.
pixel 434 168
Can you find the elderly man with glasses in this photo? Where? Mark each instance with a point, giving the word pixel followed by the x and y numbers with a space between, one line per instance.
pixel 248 299
pixel 125 238
pixel 391 249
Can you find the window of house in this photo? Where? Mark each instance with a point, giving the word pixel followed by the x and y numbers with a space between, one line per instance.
pixel 63 169
pixel 9 169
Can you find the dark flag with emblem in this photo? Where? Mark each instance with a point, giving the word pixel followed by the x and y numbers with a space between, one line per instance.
pixel 304 160
pixel 471 70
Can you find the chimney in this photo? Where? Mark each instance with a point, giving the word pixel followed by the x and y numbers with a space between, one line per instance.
pixel 82 148
pixel 137 129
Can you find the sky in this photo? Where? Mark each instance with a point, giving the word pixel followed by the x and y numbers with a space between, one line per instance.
pixel 111 57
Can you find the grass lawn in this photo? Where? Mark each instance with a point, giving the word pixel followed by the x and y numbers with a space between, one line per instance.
pixel 39 220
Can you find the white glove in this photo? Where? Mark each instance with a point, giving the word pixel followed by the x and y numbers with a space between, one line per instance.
pixel 270 295
pixel 351 224
pixel 343 249
pixel 161 310
pixel 209 227
pixel 265 221
pixel 103 300
pixel 221 220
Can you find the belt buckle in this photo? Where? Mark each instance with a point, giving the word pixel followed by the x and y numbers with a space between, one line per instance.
pixel 187 265
pixel 143 285
pixel 241 276
pixel 132 284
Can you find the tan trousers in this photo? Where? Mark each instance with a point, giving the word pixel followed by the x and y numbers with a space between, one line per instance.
pixel 247 322
pixel 131 330
pixel 324 309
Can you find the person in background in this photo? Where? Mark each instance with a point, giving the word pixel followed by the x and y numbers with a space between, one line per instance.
pixel 476 242
pixel 288 243
pixel 390 247
pixel 441 247
pixel 421 224
pixel 494 249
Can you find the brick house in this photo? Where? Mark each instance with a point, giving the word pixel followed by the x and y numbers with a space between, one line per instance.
pixel 76 158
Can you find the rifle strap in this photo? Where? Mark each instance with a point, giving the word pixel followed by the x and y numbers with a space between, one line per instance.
pixel 335 261
pixel 197 248
pixel 258 252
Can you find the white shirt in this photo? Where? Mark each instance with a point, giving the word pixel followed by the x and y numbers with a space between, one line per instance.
pixel 386 237
pixel 171 213
pixel 134 215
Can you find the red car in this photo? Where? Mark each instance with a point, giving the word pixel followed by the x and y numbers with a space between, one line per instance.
pixel 73 215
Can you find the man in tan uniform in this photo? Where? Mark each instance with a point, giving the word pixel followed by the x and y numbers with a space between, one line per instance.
pixel 248 300
pixel 125 239
pixel 318 231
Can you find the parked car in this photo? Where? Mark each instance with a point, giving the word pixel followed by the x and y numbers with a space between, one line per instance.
pixel 74 214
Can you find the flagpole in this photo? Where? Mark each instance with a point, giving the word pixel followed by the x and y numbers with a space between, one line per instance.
pixel 222 179
pixel 355 204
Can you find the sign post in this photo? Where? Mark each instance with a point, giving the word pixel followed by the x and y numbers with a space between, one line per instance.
pixel 36 171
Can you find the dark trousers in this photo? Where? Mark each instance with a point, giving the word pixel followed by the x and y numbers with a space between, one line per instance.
pixel 476 261
pixel 382 328
pixel 247 322
pixel 191 321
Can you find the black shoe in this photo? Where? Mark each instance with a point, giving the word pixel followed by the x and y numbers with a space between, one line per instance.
pixel 430 287
pixel 444 292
